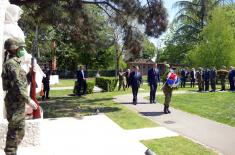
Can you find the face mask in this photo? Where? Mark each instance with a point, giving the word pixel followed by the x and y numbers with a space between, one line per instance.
pixel 21 52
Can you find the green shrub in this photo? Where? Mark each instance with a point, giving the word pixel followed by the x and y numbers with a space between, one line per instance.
pixel 106 73
pixel 90 87
pixel 106 83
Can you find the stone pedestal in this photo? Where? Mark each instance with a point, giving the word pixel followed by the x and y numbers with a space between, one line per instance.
pixel 3 4
pixel 32 133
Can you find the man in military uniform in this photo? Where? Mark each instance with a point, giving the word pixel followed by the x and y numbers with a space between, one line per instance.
pixel 15 84
pixel 223 74
pixel 213 74
pixel 199 79
pixel 169 85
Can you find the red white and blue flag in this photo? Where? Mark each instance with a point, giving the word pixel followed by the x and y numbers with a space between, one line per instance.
pixel 172 80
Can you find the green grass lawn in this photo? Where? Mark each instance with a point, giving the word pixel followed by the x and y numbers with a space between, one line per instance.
pixel 215 106
pixel 177 146
pixel 63 105
pixel 64 83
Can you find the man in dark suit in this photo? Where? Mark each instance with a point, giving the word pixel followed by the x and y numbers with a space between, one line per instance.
pixel 46 84
pixel 81 79
pixel 231 78
pixel 135 81
pixel 206 79
pixel 153 79
pixel 183 77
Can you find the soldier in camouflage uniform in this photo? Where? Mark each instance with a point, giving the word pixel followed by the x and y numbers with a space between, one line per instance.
pixel 213 74
pixel 222 73
pixel 199 74
pixel 167 90
pixel 15 84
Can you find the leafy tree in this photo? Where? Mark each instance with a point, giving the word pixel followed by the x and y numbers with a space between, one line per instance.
pixel 149 49
pixel 217 47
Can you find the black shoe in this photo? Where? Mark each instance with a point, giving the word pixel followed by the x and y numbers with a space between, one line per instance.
pixel 165 110
pixel 154 101
pixel 151 101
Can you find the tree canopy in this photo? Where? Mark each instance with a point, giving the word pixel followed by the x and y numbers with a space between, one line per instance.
pixel 85 27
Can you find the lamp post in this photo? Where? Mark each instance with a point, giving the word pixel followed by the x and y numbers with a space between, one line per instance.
pixel 36 113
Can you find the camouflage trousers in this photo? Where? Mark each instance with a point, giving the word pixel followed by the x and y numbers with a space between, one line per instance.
pixel 200 85
pixel 16 126
pixel 167 90
pixel 223 81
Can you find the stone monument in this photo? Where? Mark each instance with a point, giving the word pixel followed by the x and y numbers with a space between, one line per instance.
pixel 32 134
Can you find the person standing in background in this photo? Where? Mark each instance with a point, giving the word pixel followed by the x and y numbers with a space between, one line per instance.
pixel 199 79
pixel 231 78
pixel 183 78
pixel 135 81
pixel 121 79
pixel 46 84
pixel 82 81
pixel 192 78
pixel 127 74
pixel 206 79
pixel 213 74
pixel 222 74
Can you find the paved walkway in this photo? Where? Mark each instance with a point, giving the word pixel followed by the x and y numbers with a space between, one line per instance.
pixel 210 133
pixel 96 89
pixel 92 135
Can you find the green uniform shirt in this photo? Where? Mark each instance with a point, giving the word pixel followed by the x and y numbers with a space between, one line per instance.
pixel 14 81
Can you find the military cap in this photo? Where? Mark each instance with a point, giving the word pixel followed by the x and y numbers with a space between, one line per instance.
pixel 11 44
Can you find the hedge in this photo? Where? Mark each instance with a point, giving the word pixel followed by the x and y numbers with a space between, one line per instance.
pixel 90 87
pixel 106 73
pixel 106 83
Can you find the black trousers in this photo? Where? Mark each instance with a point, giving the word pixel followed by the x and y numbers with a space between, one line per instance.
pixel 135 90
pixel 213 84
pixel 183 82
pixel 206 85
pixel 153 89
pixel 192 83
pixel 231 83
pixel 82 85
pixel 46 91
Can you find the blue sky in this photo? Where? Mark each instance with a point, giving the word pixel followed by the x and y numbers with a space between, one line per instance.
pixel 171 11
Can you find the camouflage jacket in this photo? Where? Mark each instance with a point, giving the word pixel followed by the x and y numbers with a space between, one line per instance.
pixel 14 81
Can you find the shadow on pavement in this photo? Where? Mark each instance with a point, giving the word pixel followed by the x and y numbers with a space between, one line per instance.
pixel 152 113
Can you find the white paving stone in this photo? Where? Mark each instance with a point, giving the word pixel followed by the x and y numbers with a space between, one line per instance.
pixel 150 133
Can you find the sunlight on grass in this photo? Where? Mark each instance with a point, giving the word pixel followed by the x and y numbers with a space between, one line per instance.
pixel 63 105
pixel 177 146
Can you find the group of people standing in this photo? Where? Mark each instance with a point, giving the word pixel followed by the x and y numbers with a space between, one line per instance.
pixel 208 77
pixel 135 80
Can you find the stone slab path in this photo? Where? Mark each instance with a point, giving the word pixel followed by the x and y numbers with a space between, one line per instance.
pixel 96 89
pixel 92 135
pixel 210 133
